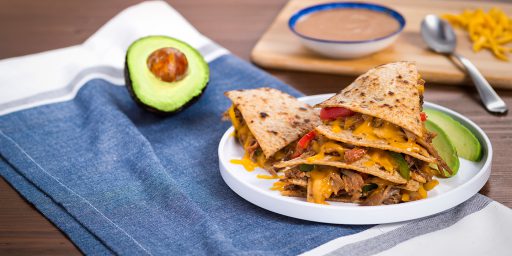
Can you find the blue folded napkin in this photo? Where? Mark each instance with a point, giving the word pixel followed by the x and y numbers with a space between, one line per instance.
pixel 119 180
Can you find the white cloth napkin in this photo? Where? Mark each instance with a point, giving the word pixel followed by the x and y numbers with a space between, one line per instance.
pixel 33 76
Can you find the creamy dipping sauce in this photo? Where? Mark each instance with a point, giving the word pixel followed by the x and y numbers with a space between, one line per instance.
pixel 349 24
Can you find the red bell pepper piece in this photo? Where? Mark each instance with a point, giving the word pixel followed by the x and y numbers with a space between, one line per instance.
pixel 423 116
pixel 303 143
pixel 334 113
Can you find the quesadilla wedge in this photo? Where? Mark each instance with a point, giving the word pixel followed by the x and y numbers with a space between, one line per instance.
pixel 383 109
pixel 375 128
pixel 329 170
pixel 327 183
pixel 268 124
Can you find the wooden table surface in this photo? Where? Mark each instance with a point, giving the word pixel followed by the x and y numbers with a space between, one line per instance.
pixel 28 26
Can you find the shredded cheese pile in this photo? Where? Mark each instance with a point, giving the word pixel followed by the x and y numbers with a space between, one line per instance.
pixel 491 30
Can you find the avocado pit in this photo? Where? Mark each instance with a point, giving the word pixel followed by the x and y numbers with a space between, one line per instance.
pixel 165 75
pixel 168 64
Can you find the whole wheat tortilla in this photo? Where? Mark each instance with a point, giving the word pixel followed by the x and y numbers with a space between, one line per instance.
pixel 348 137
pixel 411 185
pixel 274 118
pixel 356 166
pixel 390 92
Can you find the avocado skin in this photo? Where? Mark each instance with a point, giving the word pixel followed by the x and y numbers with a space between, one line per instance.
pixel 151 109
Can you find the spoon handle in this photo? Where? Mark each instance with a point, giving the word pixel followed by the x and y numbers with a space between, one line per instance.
pixel 489 97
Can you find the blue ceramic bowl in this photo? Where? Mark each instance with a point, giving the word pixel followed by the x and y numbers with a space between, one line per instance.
pixel 346 49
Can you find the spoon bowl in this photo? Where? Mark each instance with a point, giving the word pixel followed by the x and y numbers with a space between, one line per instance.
pixel 440 37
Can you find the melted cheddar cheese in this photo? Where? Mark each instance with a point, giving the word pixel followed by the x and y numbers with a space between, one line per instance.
pixel 382 158
pixel 430 185
pixel 232 116
pixel 422 192
pixel 321 188
pixel 336 126
pixel 389 132
pixel 421 88
pixel 244 134
pixel 349 121
pixel 246 162
pixel 260 160
pixel 406 197
pixel 278 185
pixel 327 147
pixel 268 177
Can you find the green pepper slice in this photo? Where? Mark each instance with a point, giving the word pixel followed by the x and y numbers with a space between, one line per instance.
pixel 305 167
pixel 403 167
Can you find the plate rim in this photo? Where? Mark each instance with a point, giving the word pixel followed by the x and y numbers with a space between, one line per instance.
pixel 474 184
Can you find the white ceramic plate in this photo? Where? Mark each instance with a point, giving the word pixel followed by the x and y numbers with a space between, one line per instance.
pixel 449 193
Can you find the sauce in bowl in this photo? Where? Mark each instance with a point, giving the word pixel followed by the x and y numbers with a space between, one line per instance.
pixel 347 24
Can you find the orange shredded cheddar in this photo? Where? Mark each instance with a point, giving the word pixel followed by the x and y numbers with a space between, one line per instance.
pixel 490 30
pixel 406 197
pixel 431 185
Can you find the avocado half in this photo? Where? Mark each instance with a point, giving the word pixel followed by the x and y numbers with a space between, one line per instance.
pixel 154 93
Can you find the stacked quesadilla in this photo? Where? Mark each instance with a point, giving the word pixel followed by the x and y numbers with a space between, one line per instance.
pixel 268 124
pixel 372 147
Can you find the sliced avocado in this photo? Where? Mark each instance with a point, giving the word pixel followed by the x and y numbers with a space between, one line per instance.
pixel 164 75
pixel 444 147
pixel 465 142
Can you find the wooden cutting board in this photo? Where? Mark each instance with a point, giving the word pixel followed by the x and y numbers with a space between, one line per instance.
pixel 279 48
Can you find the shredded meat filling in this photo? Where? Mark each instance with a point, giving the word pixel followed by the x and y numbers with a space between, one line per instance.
pixel 252 147
pixel 356 119
pixel 353 183
pixel 429 136
pixel 410 160
pixel 336 183
pixel 381 195
pixel 393 197
pixel 295 174
pixel 269 167
pixel 354 154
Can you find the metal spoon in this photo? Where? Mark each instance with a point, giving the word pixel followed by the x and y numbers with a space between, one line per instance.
pixel 440 37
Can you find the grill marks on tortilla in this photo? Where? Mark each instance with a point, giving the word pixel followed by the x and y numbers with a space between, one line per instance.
pixel 274 118
pixel 391 92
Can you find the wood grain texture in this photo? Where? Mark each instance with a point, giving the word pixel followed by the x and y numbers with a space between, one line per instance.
pixel 280 48
pixel 32 26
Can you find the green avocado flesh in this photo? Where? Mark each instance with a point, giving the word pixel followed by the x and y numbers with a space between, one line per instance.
pixel 444 147
pixel 150 91
pixel 467 145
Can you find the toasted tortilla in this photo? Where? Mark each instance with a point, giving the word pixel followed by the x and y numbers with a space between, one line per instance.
pixel 348 137
pixel 356 166
pixel 392 92
pixel 274 118
pixel 411 185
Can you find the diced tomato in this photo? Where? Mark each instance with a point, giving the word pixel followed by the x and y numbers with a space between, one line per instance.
pixel 334 113
pixel 423 116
